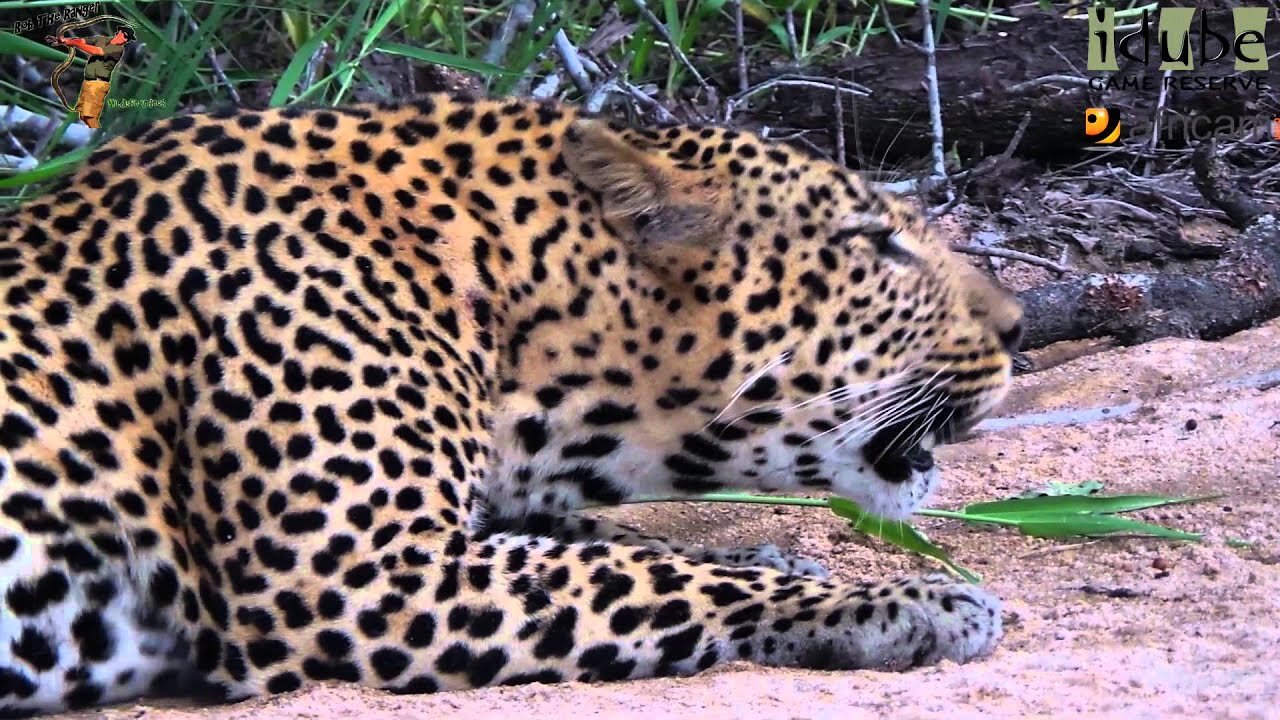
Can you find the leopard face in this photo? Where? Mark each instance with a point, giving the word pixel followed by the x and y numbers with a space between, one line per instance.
pixel 778 325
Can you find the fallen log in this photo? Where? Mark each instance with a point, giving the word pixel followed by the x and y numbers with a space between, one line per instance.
pixel 1241 290
pixel 989 82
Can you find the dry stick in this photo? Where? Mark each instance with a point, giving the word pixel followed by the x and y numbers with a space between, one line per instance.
pixel 739 34
pixel 670 41
pixel 1155 120
pixel 213 58
pixel 888 24
pixel 838 99
pixel 608 85
pixel 1017 137
pixel 520 15
pixel 789 80
pixel 638 95
pixel 1027 258
pixel 935 104
pixel 572 62
pixel 313 65
pixel 1047 80
pixel 791 34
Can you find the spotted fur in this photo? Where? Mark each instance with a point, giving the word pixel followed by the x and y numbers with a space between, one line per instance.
pixel 306 395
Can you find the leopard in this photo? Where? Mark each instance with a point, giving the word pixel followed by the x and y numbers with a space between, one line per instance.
pixel 330 394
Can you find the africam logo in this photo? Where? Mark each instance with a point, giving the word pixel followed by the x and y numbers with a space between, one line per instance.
pixel 1100 126
pixel 104 53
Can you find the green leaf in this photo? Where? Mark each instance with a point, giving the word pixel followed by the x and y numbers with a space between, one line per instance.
pixel 1095 526
pixel 832 34
pixel 758 10
pixel 896 532
pixel 1076 504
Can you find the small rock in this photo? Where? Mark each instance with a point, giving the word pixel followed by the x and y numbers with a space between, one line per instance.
pixel 1161 564
pixel 1141 249
pixel 1191 424
pixel 1119 593
pixel 1087 243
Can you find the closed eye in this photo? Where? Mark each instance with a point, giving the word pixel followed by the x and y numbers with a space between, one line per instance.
pixel 886 240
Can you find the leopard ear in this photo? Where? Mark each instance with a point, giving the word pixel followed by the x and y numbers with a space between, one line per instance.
pixel 662 202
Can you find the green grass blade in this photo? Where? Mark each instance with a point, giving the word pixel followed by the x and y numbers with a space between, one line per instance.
pixel 11 44
pixel 438 58
pixel 49 169
pixel 298 65
pixel 896 532
pixel 389 12
pixel 1077 504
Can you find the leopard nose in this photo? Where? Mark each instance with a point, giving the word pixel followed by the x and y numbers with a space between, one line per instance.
pixel 1011 338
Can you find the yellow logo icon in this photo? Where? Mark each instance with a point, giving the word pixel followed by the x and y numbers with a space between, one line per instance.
pixel 1100 127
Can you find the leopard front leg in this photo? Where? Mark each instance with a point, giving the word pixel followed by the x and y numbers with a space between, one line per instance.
pixel 577 527
pixel 510 609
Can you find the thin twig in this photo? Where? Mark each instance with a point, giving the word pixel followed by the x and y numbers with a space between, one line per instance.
pixel 791 33
pixel 743 79
pixel 1018 136
pixel 835 84
pixel 661 29
pixel 663 114
pixel 1047 80
pixel 838 101
pixel 935 104
pixel 888 24
pixel 313 65
pixel 1066 60
pixel 520 15
pixel 608 85
pixel 1131 209
pixel 1156 118
pixel 944 208
pixel 1027 258
pixel 572 62
pixel 213 57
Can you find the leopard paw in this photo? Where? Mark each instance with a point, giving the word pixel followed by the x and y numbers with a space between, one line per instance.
pixel 766 555
pixel 923 620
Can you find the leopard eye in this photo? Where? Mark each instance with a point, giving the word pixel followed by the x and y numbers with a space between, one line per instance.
pixel 884 238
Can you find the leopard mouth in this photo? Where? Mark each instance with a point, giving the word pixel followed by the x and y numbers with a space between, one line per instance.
pixel 895 459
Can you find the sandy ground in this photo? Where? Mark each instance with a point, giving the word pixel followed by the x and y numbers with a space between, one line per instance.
pixel 1118 628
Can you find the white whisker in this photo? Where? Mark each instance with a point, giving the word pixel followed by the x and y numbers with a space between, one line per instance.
pixel 899 410
pixel 768 367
